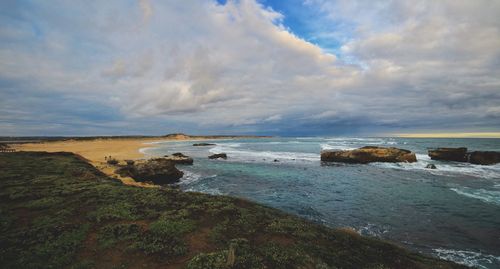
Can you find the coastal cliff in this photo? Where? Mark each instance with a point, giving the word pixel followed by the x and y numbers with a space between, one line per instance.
pixel 59 211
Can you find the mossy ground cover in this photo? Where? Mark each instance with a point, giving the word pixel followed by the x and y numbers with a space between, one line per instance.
pixel 57 211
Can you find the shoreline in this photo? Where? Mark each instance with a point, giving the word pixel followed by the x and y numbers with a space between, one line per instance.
pixel 46 218
pixel 95 150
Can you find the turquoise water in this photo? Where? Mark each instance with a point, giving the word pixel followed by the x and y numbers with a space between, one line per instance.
pixel 452 212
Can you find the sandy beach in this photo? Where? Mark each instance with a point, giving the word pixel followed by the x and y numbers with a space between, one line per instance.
pixel 97 149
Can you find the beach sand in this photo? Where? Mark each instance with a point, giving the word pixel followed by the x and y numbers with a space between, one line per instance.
pixel 96 150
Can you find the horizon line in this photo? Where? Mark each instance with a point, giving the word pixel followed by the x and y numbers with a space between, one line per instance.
pixel 450 135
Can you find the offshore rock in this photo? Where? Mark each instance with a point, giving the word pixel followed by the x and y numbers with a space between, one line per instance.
pixel 484 157
pixel 369 154
pixel 449 154
pixel 431 166
pixel 218 156
pixel 179 158
pixel 203 144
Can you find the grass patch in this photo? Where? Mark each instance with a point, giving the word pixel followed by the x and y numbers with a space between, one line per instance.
pixel 44 202
pixel 109 235
pixel 165 237
pixel 115 211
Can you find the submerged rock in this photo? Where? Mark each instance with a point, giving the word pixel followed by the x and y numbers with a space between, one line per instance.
pixel 449 154
pixel 368 155
pixel 431 166
pixel 203 144
pixel 218 156
pixel 484 157
pixel 159 171
pixel 179 158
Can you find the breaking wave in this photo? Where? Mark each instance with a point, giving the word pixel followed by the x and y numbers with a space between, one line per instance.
pixel 447 168
pixel 487 196
pixel 469 258
pixel 247 155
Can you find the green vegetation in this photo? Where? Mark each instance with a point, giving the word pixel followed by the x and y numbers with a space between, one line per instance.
pixel 57 211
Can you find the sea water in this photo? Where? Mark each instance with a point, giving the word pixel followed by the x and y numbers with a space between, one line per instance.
pixel 452 212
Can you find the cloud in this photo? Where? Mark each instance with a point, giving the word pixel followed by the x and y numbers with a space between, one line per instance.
pixel 147 10
pixel 238 67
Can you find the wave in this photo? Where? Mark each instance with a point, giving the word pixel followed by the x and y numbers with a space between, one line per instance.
pixel 487 196
pixel 231 145
pixel 344 143
pixel 205 189
pixel 192 177
pixel 448 168
pixel 335 147
pixel 468 258
pixel 353 139
pixel 146 151
pixel 259 156
pixel 371 229
pixel 189 180
pixel 282 143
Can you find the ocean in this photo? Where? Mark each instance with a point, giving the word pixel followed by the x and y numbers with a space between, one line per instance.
pixel 452 212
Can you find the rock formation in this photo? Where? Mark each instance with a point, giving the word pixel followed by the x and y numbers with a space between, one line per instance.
pixel 431 166
pixel 368 155
pixel 179 158
pixel 203 144
pixel 159 171
pixel 217 156
pixel 449 154
pixel 461 155
pixel 484 157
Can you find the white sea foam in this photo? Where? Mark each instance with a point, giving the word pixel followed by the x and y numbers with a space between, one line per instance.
pixel 344 143
pixel 447 168
pixel 371 229
pixel 487 196
pixel 204 189
pixel 231 145
pixel 326 146
pixel 247 155
pixel 154 142
pixel 282 142
pixel 309 138
pixel 146 151
pixel 191 177
pixel 468 258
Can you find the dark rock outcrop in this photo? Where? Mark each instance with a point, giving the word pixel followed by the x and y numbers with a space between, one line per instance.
pixel 112 161
pixel 368 155
pixel 449 154
pixel 484 157
pixel 218 156
pixel 159 171
pixel 431 166
pixel 179 158
pixel 203 144
pixel 461 155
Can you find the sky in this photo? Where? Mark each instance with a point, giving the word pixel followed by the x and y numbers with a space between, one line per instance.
pixel 268 67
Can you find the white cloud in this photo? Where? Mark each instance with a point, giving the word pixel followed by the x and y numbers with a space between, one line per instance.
pixel 147 10
pixel 423 64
